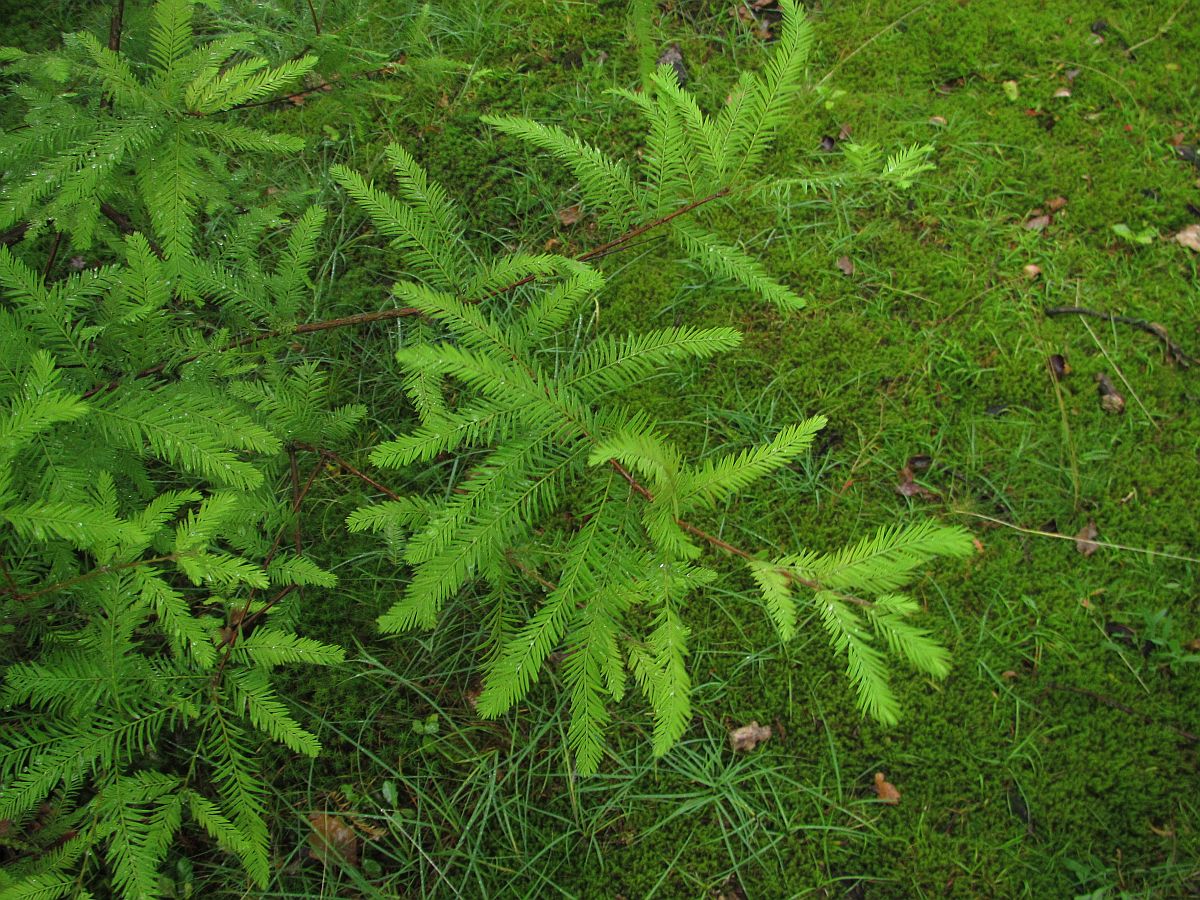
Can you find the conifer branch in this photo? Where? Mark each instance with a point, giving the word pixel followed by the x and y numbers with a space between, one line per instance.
pixel 93 574
pixel 124 224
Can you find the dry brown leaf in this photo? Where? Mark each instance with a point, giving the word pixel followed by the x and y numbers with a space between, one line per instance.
pixel 673 57
pixel 1085 541
pixel 1189 237
pixel 845 264
pixel 1059 367
pixel 569 215
pixel 1111 400
pixel 749 736
pixel 1062 93
pixel 1037 223
pixel 937 120
pixel 908 487
pixel 885 790
pixel 331 839
pixel 1054 204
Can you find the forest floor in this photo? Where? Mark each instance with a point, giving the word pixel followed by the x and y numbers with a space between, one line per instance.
pixel 1060 757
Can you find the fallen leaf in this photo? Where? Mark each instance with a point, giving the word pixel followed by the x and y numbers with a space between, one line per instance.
pixel 1072 74
pixel 673 57
pixel 1189 237
pixel 1032 271
pixel 749 736
pixel 978 544
pixel 1037 223
pixel 885 790
pixel 1062 93
pixel 909 488
pixel 949 87
pixel 1011 90
pixel 1059 367
pixel 920 463
pixel 937 120
pixel 331 839
pixel 1085 541
pixel 1054 204
pixel 1165 832
pixel 569 215
pixel 843 132
pixel 845 264
pixel 1110 398
pixel 1009 675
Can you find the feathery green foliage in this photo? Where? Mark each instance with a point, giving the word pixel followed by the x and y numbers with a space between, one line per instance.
pixel 581 495
pixel 103 123
pixel 147 425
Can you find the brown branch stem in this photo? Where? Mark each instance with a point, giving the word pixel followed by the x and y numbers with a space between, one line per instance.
pixel 53 256
pixel 342 463
pixel 115 25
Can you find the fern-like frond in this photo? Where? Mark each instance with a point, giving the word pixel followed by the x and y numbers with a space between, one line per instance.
pixel 423 249
pixel 271 647
pixel 776 589
pixel 252 691
pixel 242 794
pixel 885 561
pixel 245 82
pixel 606 182
pixel 614 363
pixel 720 260
pixel 719 479
pixel 170 33
pixel 864 664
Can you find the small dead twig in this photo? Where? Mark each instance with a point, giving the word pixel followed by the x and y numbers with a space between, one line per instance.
pixel 360 475
pixel 53 255
pixel 316 21
pixel 1174 351
pixel 115 26
pixel 1121 707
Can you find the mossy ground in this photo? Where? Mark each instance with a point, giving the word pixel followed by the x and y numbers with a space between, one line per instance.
pixel 1055 759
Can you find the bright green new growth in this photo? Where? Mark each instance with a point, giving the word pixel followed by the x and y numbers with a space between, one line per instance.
pixel 554 441
pixel 140 516
pixel 690 157
pixel 151 576
pixel 155 125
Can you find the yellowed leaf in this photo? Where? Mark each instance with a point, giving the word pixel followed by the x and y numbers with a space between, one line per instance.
pixel 885 790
